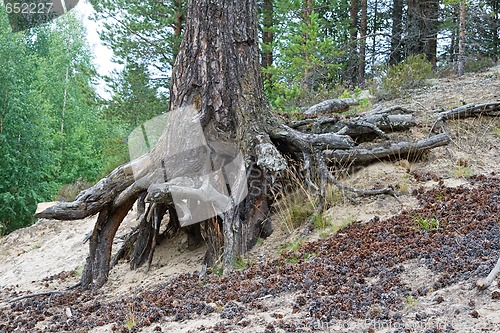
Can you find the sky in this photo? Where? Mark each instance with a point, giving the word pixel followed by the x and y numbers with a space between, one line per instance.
pixel 102 54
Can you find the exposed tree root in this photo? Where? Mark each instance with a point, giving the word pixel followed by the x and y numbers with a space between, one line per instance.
pixel 486 282
pixel 315 144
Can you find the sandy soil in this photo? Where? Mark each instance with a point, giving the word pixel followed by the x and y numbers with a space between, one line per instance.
pixel 50 254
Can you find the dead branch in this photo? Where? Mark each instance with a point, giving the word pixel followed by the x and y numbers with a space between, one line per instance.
pixel 401 150
pixel 470 110
pixel 337 105
pixel 42 293
pixel 91 201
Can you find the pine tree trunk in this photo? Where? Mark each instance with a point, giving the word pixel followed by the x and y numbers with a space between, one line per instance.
pixel 307 9
pixel 267 38
pixel 397 31
pixel 461 39
pixel 430 14
pixel 217 72
pixel 353 40
pixel 362 41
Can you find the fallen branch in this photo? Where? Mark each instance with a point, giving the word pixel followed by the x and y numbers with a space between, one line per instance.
pixel 401 150
pixel 42 293
pixel 337 105
pixel 470 110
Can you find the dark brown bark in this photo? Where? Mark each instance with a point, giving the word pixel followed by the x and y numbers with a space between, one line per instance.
pixel 353 40
pixel 363 26
pixel 178 23
pixel 397 31
pixel 96 270
pixel 461 38
pixel 217 72
pixel 422 28
pixel 267 57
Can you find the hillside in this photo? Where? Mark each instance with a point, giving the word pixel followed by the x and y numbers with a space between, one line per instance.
pixel 406 264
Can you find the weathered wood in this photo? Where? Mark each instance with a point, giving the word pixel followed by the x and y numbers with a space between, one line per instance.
pixel 486 282
pixel 401 150
pixel 96 270
pixel 330 106
pixel 91 201
pixel 304 141
pixel 470 110
pixel 377 124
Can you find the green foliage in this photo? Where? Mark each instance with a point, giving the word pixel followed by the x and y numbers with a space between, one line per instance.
pixel 242 263
pixel 310 59
pixel 410 73
pixel 427 224
pixel 145 34
pixel 52 131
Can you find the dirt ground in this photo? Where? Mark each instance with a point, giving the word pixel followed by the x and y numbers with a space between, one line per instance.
pixel 373 268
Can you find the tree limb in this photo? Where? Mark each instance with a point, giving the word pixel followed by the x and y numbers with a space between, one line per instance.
pixel 400 150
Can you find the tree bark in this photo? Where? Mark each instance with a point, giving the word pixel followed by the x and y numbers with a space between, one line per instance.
pixel 353 40
pixel 397 31
pixel 461 39
pixel 267 57
pixel 217 72
pixel 422 27
pixel 363 27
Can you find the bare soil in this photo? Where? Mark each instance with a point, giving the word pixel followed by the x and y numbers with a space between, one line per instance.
pixel 406 264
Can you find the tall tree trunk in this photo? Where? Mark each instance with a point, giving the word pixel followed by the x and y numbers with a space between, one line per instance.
pixel 178 23
pixel 422 27
pixel 430 28
pixel 267 57
pixel 413 22
pixel 217 72
pixel 461 39
pixel 362 41
pixel 495 29
pixel 353 41
pixel 397 31
pixel 375 28
pixel 307 10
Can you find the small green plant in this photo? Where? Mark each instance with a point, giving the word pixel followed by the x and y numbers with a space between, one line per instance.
pixel 309 255
pixel 292 246
pixel 428 224
pixel 296 207
pixel 410 73
pixel 462 172
pixel 242 263
pixel 403 187
pixel 130 321
pixel 496 131
pixel 79 271
pixel 335 226
pixel 439 197
pixel 293 260
pixel 411 302
pixel 35 246
pixel 217 270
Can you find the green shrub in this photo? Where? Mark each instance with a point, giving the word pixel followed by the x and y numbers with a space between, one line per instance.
pixel 410 73
pixel 69 192
pixel 478 63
